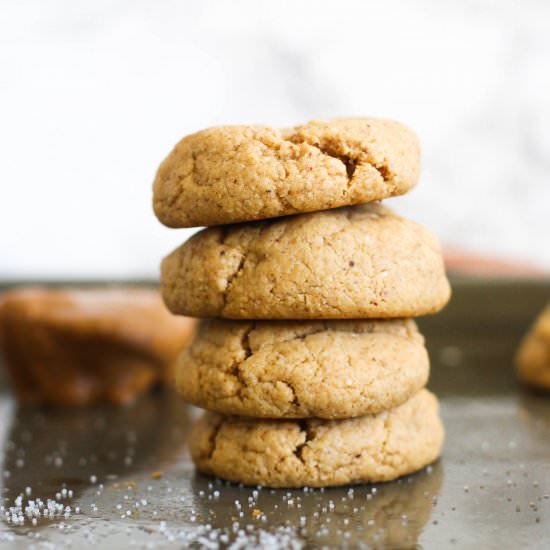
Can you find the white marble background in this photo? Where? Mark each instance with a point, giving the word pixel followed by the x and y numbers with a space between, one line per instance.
pixel 94 94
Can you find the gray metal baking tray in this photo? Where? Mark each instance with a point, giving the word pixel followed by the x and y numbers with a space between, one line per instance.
pixel 122 477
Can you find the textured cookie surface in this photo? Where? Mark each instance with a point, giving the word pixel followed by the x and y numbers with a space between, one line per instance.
pixel 533 358
pixel 317 453
pixel 75 347
pixel 241 173
pixel 323 369
pixel 355 262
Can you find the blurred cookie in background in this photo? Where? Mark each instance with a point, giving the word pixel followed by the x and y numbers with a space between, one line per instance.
pixel 74 347
pixel 533 357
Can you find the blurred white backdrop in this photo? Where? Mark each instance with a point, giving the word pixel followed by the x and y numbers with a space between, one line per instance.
pixel 94 94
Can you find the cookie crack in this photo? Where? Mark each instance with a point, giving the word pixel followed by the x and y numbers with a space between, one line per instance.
pixel 383 450
pixel 174 200
pixel 316 362
pixel 295 402
pixel 194 171
pixel 306 429
pixel 212 439
pixel 350 162
pixel 247 349
pixel 245 342
pixel 235 370
pixel 230 278
pixel 347 161
pixel 284 202
pixel 321 327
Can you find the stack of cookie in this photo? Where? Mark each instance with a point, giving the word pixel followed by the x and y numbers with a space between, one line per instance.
pixel 308 361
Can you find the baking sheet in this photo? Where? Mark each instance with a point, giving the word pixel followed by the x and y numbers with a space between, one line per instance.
pixel 127 480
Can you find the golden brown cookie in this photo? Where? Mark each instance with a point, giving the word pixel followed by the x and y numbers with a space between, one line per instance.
pixel 533 357
pixel 319 453
pixel 241 173
pixel 355 262
pixel 75 347
pixel 285 369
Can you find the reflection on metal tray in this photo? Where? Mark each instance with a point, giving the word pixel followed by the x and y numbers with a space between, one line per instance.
pixel 126 476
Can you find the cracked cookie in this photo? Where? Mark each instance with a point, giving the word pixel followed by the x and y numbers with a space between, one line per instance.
pixel 76 347
pixel 233 174
pixel 320 453
pixel 533 357
pixel 285 369
pixel 355 262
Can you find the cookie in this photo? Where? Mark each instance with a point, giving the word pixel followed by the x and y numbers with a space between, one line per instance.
pixel 319 453
pixel 355 262
pixel 533 357
pixel 242 173
pixel 324 369
pixel 76 347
